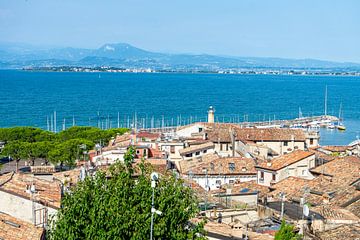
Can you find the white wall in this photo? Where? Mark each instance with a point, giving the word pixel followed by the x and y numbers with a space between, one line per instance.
pixel 19 207
pixel 188 131
pixel 280 147
pixel 225 179
pixel 299 169
pixel 109 157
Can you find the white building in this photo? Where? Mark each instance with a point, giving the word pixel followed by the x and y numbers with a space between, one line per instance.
pixel 211 174
pixel 294 164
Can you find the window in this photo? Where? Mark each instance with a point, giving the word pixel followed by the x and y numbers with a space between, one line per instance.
pixel 200 130
pixel 274 177
pixel 221 147
pixel 311 141
pixel 188 155
pixel 172 149
pixel 137 151
pixel 232 167
pixel 205 151
pixel 231 181
pixel 227 147
pixel 197 153
pixel 261 177
pixel 212 166
pixel 218 182
pixel 303 172
pixel 285 143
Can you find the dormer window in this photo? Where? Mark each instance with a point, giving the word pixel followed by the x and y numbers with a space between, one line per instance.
pixel 243 169
pixel 232 167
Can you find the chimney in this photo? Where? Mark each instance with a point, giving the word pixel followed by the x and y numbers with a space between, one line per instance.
pixel 211 113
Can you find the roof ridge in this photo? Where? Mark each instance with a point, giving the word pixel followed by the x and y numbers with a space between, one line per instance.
pixel 7 180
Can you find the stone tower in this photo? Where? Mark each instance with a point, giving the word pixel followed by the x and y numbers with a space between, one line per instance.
pixel 211 113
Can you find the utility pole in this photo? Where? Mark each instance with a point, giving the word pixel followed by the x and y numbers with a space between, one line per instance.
pixel 154 178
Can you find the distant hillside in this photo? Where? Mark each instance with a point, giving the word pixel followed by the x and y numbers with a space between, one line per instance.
pixel 127 56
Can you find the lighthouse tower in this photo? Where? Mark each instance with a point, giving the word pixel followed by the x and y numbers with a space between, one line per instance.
pixel 211 113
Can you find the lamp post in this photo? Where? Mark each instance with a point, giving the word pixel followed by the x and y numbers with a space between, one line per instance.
pixel 282 195
pixel 154 179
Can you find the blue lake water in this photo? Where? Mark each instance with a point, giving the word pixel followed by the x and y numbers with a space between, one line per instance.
pixel 29 98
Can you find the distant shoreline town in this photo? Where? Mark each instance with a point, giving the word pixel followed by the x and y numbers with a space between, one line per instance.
pixel 223 71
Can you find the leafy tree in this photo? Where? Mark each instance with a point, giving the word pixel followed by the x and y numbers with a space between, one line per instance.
pixel 16 150
pixel 61 148
pixel 69 151
pixel 119 207
pixel 286 232
pixel 25 134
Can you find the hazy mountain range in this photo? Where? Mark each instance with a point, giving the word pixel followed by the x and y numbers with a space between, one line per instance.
pixel 127 56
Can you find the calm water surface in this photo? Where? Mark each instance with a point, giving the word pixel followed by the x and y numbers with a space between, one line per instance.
pixel 29 98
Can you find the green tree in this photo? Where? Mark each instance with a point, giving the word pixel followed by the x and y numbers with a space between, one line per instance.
pixel 114 205
pixel 69 151
pixel 286 232
pixel 17 150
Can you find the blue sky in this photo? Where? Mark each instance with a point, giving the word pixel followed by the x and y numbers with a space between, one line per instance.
pixel 322 29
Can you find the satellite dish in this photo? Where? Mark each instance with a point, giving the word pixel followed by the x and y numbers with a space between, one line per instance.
pixel 306 210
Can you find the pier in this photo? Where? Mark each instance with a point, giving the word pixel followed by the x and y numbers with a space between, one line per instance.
pixel 304 122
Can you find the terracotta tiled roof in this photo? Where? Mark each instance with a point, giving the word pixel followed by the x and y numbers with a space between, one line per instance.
pixel 22 230
pixel 148 135
pixel 293 187
pixel 342 232
pixel 354 208
pixel 335 188
pixel 221 166
pixel 337 148
pixel 47 192
pixel 70 176
pixel 158 165
pixel 252 186
pixel 347 167
pixel 285 160
pixel 321 155
pixel 185 165
pixel 335 213
pixel 270 134
pixel 194 148
pixel 224 231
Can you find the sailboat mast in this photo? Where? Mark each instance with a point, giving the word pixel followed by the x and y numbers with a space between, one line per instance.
pixel 325 100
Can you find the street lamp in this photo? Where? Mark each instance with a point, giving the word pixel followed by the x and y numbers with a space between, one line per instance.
pixel 154 178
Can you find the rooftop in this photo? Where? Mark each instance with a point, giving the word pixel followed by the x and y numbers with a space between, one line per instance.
pixel 47 192
pixel 341 232
pixel 226 166
pixel 337 148
pixel 195 148
pixel 13 229
pixel 285 160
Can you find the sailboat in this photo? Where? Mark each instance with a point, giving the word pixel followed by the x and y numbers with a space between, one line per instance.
pixel 340 126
